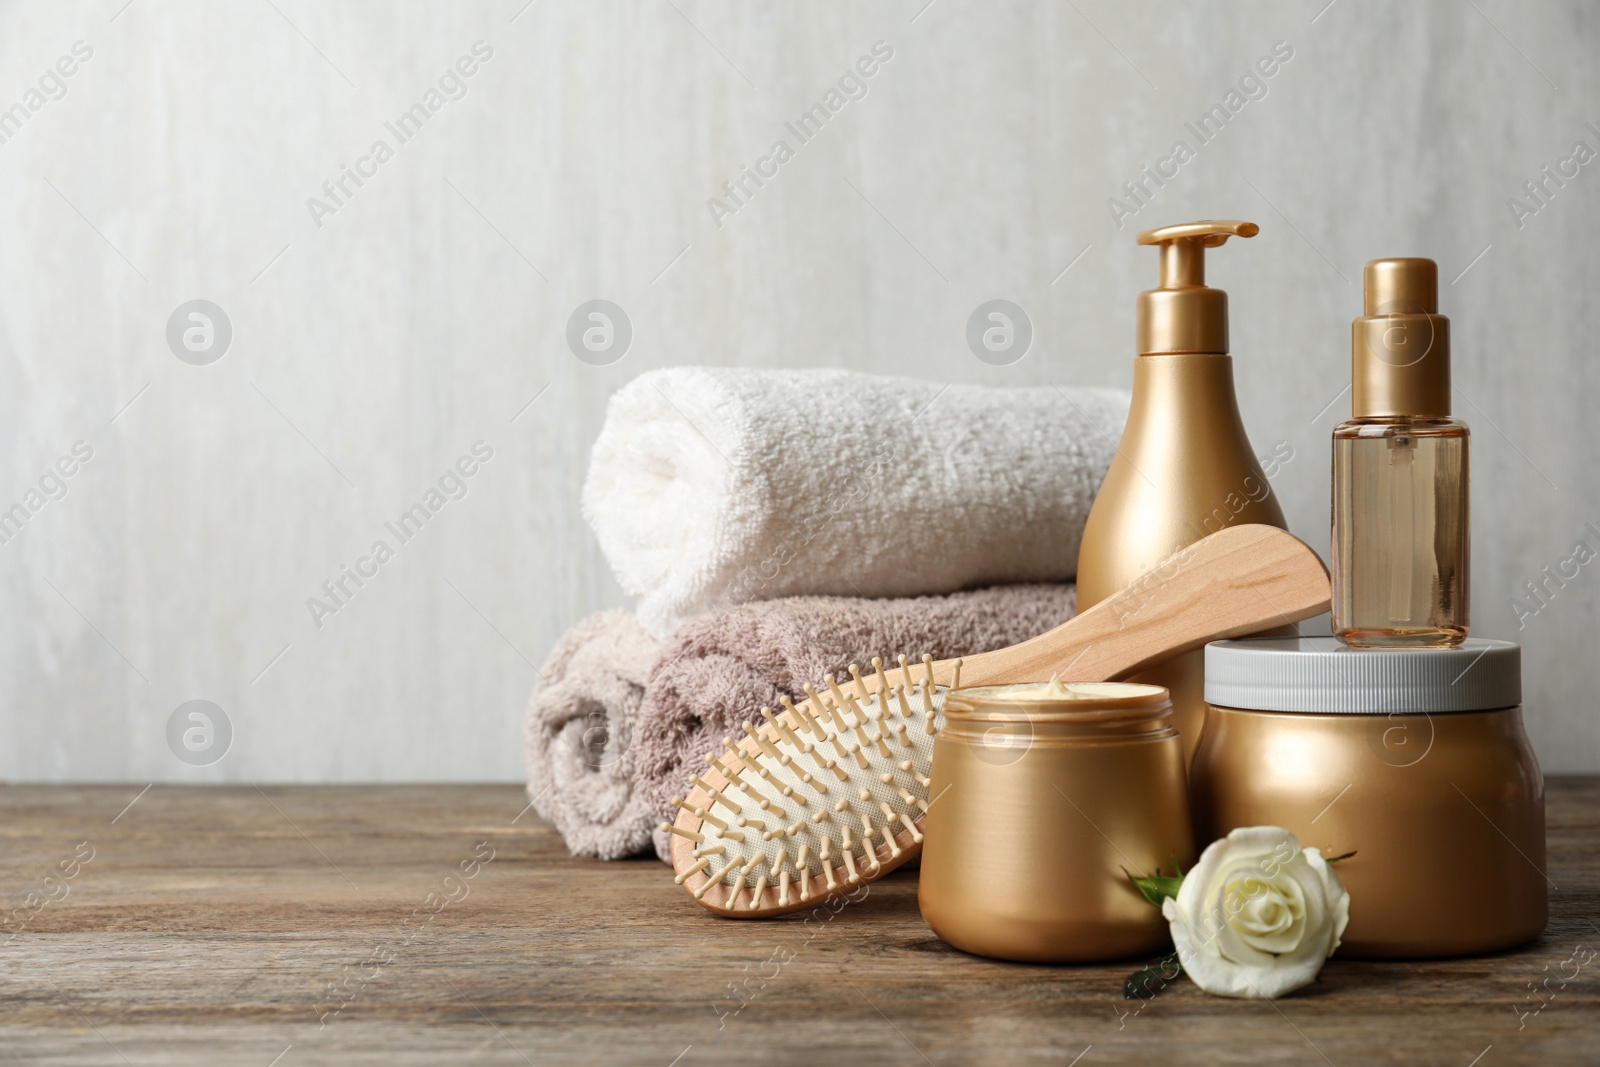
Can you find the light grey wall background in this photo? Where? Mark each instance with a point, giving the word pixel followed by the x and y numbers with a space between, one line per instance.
pixel 428 311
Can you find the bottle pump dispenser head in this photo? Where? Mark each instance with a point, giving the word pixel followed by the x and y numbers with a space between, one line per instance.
pixel 1184 315
pixel 1400 347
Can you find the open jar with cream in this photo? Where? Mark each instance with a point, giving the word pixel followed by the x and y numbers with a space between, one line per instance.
pixel 1044 797
pixel 1414 761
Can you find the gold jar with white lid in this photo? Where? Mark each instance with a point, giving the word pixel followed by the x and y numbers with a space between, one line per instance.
pixel 1414 760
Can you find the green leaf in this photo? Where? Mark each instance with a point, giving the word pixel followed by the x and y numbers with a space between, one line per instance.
pixel 1146 983
pixel 1157 887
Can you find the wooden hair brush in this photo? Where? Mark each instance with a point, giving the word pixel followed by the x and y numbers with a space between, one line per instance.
pixel 830 793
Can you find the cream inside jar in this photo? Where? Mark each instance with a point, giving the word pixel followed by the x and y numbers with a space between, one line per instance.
pixel 1055 689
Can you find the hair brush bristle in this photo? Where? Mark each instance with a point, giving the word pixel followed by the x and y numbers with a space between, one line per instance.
pixel 816 799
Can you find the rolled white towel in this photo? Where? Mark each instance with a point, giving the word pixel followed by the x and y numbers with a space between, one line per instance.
pixel 712 486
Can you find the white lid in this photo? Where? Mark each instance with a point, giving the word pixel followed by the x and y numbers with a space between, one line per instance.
pixel 1322 674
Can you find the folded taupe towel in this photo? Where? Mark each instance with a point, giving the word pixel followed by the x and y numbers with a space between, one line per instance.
pixel 719 670
pixel 581 729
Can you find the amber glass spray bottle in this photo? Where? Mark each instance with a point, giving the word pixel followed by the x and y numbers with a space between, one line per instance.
pixel 1400 472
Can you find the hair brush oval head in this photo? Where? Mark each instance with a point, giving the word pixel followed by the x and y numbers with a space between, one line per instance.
pixel 822 797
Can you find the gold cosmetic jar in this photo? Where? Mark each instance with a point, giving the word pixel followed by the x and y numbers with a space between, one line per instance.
pixel 1415 760
pixel 1043 795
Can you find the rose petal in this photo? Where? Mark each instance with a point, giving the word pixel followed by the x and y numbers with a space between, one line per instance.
pixel 1285 935
pixel 1338 897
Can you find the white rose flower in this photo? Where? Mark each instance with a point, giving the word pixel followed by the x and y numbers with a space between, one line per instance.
pixel 1257 915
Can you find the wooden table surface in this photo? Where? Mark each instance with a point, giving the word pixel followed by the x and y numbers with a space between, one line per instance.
pixel 209 926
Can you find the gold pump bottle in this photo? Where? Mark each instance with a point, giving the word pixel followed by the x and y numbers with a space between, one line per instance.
pixel 1184 468
pixel 1400 471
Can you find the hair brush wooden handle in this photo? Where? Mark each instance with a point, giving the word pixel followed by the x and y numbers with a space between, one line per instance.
pixel 1237 581
pixel 1240 580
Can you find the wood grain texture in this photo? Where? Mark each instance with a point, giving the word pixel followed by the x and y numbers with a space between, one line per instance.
pixel 208 923
pixel 1237 581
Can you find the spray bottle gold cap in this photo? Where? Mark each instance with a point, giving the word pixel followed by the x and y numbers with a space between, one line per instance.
pixel 1400 344
pixel 1184 315
pixel 1400 347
